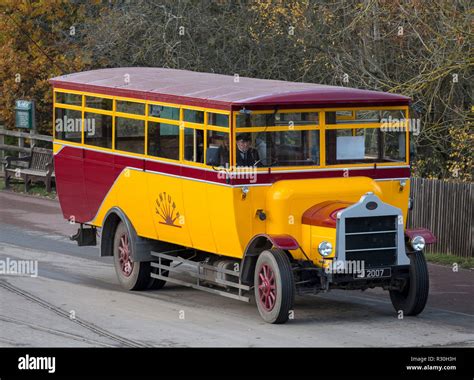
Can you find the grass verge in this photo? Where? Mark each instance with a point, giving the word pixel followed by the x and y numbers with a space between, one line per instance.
pixel 445 259
pixel 35 189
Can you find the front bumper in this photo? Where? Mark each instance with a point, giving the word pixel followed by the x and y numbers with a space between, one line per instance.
pixel 369 239
pixel 398 276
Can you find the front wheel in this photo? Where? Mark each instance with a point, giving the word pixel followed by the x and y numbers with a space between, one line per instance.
pixel 274 286
pixel 411 300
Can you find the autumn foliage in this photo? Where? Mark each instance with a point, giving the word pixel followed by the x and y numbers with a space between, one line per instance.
pixel 422 49
pixel 38 41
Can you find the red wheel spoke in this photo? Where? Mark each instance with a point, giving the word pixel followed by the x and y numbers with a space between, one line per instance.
pixel 125 261
pixel 271 277
pixel 266 287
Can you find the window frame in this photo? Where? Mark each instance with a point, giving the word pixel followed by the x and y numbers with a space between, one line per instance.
pixel 72 108
pixel 270 129
pixel 231 128
pixel 131 100
pixel 147 140
pixel 145 131
pixel 162 119
pixel 114 114
pixel 322 127
pixel 378 138
pixel 280 128
pixel 404 109
pixel 87 110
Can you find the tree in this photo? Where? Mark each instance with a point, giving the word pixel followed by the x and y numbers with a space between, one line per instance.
pixel 422 49
pixel 40 40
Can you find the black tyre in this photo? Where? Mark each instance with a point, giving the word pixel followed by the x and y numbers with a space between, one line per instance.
pixel 413 297
pixel 132 275
pixel 274 286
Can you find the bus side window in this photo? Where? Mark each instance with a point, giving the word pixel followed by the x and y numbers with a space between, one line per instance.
pixel 130 135
pixel 163 140
pixel 67 98
pixel 98 130
pixel 136 108
pixel 217 151
pixel 68 125
pixel 193 145
pixel 193 116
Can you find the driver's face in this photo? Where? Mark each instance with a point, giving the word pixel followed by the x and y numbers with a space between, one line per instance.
pixel 243 145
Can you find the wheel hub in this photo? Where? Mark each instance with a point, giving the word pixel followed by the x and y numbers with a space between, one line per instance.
pixel 125 260
pixel 267 287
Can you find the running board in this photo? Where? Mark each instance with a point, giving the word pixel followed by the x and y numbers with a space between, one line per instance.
pixel 199 276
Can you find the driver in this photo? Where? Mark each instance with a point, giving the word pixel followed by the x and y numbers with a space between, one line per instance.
pixel 246 155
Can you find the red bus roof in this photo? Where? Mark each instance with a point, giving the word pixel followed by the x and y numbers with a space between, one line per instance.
pixel 219 91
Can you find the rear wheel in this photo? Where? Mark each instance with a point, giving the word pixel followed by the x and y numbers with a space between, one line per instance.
pixel 132 275
pixel 413 297
pixel 274 286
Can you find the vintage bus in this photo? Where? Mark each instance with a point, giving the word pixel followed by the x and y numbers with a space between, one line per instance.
pixel 240 187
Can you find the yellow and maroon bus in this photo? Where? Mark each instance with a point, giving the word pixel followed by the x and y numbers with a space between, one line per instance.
pixel 260 187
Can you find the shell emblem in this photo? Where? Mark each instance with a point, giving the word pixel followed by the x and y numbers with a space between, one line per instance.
pixel 166 210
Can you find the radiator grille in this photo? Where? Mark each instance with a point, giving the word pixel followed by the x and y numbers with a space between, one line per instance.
pixel 372 239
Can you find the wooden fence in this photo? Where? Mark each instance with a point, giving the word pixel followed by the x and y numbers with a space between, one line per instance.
pixel 447 209
pixel 21 136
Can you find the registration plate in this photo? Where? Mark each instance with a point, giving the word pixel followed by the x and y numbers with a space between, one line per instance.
pixel 374 273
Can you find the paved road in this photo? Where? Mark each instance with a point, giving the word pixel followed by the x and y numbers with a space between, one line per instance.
pixel 76 301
